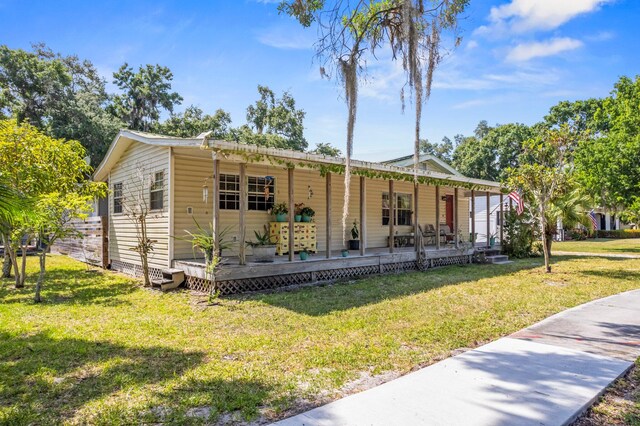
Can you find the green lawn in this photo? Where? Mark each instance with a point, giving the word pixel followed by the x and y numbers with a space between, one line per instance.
pixel 600 245
pixel 102 350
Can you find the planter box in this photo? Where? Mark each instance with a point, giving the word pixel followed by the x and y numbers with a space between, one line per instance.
pixel 264 254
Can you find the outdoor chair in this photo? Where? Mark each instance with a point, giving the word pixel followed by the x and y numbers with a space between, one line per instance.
pixel 429 233
pixel 445 233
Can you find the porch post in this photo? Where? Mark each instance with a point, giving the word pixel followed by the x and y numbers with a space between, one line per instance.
pixel 488 218
pixel 291 214
pixel 327 181
pixel 455 217
pixel 501 217
pixel 473 218
pixel 416 210
pixel 363 214
pixel 215 224
pixel 607 220
pixel 437 218
pixel 392 216
pixel 243 210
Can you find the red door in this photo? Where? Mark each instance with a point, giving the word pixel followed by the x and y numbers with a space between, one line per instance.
pixel 449 212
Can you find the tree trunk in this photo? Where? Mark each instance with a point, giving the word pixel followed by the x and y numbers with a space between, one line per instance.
pixel 43 259
pixel 23 266
pixel 546 249
pixel 6 265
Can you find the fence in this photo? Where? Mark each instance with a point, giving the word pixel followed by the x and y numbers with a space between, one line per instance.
pixel 92 247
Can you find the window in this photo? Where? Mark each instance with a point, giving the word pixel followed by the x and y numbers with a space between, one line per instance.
pixel 156 197
pixel 402 211
pixel 229 192
pixel 260 192
pixel 117 197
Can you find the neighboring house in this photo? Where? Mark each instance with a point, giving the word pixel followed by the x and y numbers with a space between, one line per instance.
pixel 186 176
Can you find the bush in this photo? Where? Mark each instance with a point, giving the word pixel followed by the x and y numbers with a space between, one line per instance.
pixel 519 235
pixel 619 233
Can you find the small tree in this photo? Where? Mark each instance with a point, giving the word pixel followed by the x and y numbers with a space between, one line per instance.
pixel 55 213
pixel 136 206
pixel 544 178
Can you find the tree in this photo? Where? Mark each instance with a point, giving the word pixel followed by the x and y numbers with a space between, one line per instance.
pixel 443 150
pixel 474 159
pixel 326 149
pixel 581 115
pixel 144 94
pixel 61 95
pixel 55 214
pixel 411 29
pixel 193 121
pixel 544 178
pixel 277 117
pixel 51 172
pixel 608 164
pixel 136 206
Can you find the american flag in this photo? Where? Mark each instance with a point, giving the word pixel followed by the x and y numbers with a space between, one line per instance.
pixel 515 196
pixel 594 222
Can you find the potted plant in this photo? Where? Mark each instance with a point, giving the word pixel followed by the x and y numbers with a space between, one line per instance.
pixel 304 254
pixel 264 250
pixel 280 211
pixel 492 240
pixel 298 214
pixel 307 214
pixel 354 242
pixel 344 252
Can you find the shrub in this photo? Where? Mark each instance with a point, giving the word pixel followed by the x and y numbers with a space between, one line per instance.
pixel 619 233
pixel 519 235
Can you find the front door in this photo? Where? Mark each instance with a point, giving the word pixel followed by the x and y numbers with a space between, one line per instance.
pixel 449 211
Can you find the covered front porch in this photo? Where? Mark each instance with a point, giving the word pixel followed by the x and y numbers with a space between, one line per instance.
pixel 253 276
pixel 405 221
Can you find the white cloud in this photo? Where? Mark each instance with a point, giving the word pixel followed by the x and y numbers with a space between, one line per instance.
pixel 286 37
pixel 520 16
pixel 539 49
pixel 471 45
pixel 601 36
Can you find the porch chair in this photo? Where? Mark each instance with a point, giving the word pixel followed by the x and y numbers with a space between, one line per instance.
pixel 445 232
pixel 429 233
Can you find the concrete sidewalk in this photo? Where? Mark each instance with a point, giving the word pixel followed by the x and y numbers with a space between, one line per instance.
pixel 591 254
pixel 547 374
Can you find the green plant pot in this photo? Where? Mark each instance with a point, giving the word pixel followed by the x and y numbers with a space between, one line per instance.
pixel 492 241
pixel 281 217
pixel 304 255
pixel 306 218
pixel 298 218
pixel 345 253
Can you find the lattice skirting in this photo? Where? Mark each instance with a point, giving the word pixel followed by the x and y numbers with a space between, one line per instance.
pixel 135 270
pixel 272 282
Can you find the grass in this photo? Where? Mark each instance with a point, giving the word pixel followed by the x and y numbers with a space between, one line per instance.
pixel 102 350
pixel 620 405
pixel 600 245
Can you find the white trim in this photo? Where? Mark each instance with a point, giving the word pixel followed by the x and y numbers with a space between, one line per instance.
pixel 170 248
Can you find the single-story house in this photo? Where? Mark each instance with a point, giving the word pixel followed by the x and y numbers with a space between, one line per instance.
pixel 233 186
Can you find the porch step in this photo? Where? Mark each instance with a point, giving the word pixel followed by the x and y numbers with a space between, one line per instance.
pixel 171 278
pixel 498 259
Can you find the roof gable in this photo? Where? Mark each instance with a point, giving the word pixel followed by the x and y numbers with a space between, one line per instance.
pixel 430 163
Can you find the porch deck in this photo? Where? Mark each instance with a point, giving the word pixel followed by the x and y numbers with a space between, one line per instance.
pixel 235 278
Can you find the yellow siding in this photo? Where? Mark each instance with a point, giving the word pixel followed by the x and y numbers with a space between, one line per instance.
pixel 122 233
pixel 191 172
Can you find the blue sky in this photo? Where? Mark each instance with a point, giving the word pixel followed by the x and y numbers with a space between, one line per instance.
pixel 517 59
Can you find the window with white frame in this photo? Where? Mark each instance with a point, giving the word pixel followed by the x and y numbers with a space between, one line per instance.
pixel 229 192
pixel 117 197
pixel 260 193
pixel 156 193
pixel 402 209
